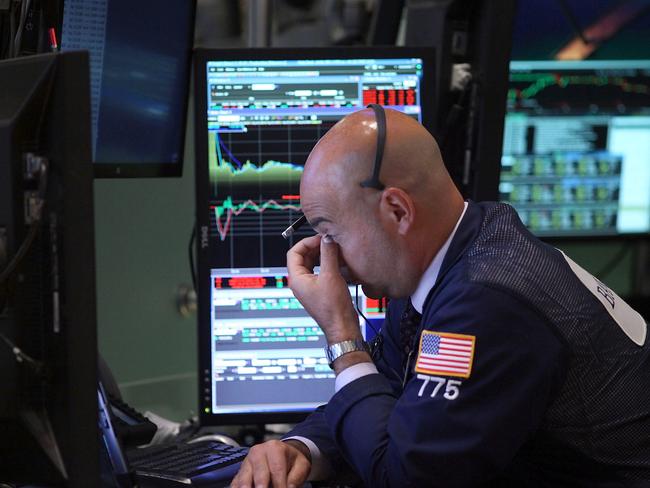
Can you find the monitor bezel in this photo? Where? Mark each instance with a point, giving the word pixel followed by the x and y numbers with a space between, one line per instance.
pixel 158 169
pixel 577 237
pixel 201 57
pixel 51 310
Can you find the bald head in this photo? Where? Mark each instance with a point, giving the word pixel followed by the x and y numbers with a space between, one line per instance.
pixel 345 155
pixel 402 226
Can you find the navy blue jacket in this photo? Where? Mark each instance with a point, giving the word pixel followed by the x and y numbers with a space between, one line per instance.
pixel 557 394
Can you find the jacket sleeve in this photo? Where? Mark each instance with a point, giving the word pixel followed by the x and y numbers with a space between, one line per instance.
pixel 315 427
pixel 446 430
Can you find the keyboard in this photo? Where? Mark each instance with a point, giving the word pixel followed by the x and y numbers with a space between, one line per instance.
pixel 196 464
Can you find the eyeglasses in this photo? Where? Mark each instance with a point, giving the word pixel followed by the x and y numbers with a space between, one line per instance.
pixel 373 181
pixel 294 227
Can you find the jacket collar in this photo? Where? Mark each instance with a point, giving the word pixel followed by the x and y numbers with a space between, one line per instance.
pixel 466 233
pixel 430 275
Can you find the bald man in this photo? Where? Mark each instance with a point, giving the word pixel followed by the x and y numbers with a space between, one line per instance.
pixel 500 361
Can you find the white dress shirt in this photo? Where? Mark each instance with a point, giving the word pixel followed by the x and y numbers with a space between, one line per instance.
pixel 320 466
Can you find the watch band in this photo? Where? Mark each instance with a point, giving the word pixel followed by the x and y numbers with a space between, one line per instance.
pixel 335 351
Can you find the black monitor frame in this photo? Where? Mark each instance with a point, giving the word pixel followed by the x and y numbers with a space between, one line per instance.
pixel 495 176
pixel 137 169
pixel 51 310
pixel 201 57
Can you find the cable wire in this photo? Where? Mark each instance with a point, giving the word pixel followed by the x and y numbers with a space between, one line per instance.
pixel 33 229
pixel 12 29
pixel 377 343
pixel 18 40
pixel 358 309
pixel 573 21
pixel 21 356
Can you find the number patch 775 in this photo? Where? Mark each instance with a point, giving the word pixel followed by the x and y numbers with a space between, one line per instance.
pixel 451 390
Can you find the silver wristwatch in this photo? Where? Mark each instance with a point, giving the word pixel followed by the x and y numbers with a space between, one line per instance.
pixel 338 349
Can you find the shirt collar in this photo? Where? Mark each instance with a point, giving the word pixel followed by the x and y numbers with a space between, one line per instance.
pixel 431 273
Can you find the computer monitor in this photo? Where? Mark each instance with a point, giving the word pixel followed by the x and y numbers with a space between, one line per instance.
pixel 48 348
pixel 140 59
pixel 258 115
pixel 576 149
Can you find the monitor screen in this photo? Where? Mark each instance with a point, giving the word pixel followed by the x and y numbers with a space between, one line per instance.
pixel 259 113
pixel 267 353
pixel 576 149
pixel 140 67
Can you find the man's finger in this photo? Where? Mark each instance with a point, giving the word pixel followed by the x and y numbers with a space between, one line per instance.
pixel 299 472
pixel 301 258
pixel 304 246
pixel 261 476
pixel 277 463
pixel 329 256
pixel 245 475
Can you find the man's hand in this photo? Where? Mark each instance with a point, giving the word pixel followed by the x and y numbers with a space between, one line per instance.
pixel 281 464
pixel 325 296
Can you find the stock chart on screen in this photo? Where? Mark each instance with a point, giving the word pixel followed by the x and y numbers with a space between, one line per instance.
pixel 576 150
pixel 264 117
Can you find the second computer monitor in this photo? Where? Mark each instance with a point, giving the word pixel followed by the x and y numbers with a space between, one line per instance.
pixel 258 115
pixel 576 152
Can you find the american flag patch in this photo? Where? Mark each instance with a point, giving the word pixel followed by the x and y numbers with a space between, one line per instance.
pixel 445 354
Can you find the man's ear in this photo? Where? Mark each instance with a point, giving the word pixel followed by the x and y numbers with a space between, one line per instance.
pixel 397 208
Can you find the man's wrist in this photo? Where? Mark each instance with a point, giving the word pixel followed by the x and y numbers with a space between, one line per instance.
pixel 321 468
pixel 350 359
pixel 340 329
pixel 300 446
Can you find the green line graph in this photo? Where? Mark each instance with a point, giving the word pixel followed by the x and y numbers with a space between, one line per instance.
pixel 223 171
pixel 541 81
pixel 230 209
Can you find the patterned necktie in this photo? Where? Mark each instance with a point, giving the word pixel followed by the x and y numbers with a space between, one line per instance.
pixel 408 327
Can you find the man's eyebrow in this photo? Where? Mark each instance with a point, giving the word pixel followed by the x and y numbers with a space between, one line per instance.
pixel 318 220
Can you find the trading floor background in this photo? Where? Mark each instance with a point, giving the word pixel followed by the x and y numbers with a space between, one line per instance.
pixel 143 225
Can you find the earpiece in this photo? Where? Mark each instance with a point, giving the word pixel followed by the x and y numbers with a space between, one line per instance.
pixel 373 181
